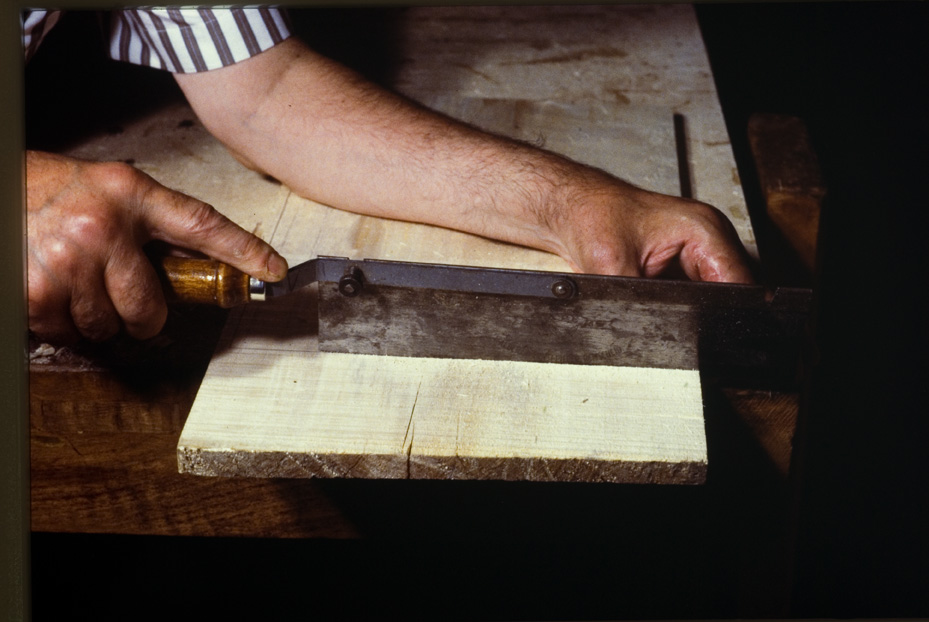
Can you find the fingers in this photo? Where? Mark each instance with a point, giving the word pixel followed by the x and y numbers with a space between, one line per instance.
pixel 49 306
pixel 715 261
pixel 711 249
pixel 637 233
pixel 136 294
pixel 88 223
pixel 92 312
pixel 186 222
pixel 94 302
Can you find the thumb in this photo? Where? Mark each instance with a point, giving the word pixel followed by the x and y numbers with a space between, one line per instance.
pixel 181 220
pixel 717 259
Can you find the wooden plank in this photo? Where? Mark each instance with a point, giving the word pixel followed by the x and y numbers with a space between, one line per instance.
pixel 103 443
pixel 272 405
pixel 338 415
pixel 122 482
pixel 772 418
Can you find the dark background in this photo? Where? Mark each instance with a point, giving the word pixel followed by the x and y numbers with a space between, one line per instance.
pixel 857 74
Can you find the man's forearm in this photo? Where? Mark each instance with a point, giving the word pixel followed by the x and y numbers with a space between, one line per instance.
pixel 337 139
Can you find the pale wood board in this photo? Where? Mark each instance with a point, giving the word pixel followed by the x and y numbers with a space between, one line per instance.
pixel 271 405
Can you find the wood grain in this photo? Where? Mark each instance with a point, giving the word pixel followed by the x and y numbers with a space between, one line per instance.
pixel 338 415
pixel 103 452
pixel 118 482
pixel 273 405
pixel 772 418
pixel 121 482
pixel 605 81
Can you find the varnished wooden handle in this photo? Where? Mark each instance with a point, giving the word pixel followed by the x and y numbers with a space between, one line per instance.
pixel 204 281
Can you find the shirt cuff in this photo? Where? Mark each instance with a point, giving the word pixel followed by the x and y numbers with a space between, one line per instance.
pixel 189 40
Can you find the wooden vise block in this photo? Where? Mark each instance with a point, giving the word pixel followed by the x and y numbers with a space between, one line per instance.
pixel 790 179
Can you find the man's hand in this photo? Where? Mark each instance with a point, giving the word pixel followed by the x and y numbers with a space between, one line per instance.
pixel 87 224
pixel 335 138
pixel 615 228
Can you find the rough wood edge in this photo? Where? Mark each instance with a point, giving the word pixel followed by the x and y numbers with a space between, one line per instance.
pixel 275 464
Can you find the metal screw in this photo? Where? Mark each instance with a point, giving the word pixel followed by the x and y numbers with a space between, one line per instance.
pixel 350 284
pixel 564 288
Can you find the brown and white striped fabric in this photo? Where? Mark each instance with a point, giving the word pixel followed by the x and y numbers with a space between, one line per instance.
pixel 35 25
pixel 180 40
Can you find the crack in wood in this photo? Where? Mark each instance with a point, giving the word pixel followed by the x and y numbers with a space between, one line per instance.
pixel 410 430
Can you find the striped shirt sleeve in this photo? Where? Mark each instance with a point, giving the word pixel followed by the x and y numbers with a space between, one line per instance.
pixel 35 25
pixel 188 40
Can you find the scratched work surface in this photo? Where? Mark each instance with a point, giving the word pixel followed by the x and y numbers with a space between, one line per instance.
pixel 599 84
pixel 648 55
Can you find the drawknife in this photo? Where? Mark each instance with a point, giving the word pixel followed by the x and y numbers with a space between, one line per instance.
pixel 743 333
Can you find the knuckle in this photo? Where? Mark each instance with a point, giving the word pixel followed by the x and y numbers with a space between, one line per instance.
pixel 118 178
pixel 206 222
pixel 202 219
pixel 710 216
pixel 142 310
pixel 89 226
pixel 95 323
pixel 607 257
pixel 252 247
pixel 701 221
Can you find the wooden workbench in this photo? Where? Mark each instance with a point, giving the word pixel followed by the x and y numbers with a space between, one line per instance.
pixel 272 405
pixel 103 456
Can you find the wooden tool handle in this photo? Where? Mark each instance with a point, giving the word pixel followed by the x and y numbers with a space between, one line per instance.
pixel 203 281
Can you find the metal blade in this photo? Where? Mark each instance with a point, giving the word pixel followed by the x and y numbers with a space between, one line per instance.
pixel 429 310
pixel 297 277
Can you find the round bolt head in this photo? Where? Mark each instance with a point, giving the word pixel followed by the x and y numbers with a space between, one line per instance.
pixel 350 284
pixel 563 288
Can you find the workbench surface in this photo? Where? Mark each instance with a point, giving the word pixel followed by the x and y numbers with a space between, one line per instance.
pixel 272 405
pixel 618 65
